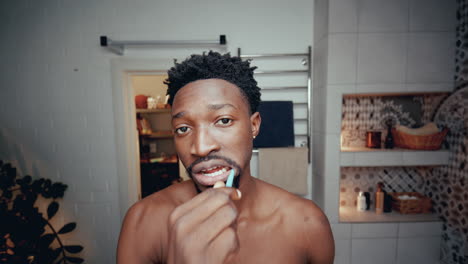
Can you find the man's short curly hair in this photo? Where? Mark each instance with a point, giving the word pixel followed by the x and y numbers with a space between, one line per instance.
pixel 215 66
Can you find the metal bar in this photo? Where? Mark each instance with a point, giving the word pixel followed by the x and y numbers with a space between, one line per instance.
pixel 118 47
pixel 274 55
pixel 284 88
pixel 309 84
pixel 279 72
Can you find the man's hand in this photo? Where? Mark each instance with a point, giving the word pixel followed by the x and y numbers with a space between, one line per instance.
pixel 202 230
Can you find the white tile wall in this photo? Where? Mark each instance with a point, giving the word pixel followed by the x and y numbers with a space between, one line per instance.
pixel 383 16
pixel 319 113
pixel 425 15
pixel 342 251
pixel 381 58
pixel 375 250
pixel 420 229
pixel 342 58
pixel 343 16
pixel 341 230
pixel 430 57
pixel 321 8
pixel 320 62
pixel 375 230
pixel 419 250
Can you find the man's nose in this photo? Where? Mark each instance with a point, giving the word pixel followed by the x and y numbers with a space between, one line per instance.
pixel 204 143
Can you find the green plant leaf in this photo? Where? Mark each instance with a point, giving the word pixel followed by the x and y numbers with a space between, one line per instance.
pixel 46 240
pixel 67 228
pixel 74 260
pixel 56 253
pixel 73 249
pixel 52 209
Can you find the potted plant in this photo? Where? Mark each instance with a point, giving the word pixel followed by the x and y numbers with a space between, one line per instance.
pixel 26 234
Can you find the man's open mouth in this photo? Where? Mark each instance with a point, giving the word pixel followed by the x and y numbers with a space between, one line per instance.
pixel 215 171
pixel 209 176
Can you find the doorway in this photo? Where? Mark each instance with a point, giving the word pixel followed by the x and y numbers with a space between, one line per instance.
pixel 124 71
pixel 159 164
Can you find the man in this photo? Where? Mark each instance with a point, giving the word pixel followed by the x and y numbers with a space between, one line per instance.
pixel 214 100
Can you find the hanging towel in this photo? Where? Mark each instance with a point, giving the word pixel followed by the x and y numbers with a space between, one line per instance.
pixel 277 127
pixel 285 168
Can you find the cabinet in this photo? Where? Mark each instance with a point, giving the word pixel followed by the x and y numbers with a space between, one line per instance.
pixel 159 165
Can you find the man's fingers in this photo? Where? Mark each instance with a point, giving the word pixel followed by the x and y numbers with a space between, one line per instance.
pixel 234 196
pixel 223 218
pixel 194 212
pixel 218 184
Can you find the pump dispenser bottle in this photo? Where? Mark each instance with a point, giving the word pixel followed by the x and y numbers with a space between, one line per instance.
pixel 361 202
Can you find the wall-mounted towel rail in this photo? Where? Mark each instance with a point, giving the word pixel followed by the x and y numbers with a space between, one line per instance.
pixel 306 61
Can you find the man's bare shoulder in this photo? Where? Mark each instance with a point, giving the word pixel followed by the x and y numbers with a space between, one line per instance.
pixel 160 204
pixel 293 206
pixel 304 220
pixel 147 221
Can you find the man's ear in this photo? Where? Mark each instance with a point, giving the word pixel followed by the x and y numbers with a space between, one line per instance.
pixel 255 121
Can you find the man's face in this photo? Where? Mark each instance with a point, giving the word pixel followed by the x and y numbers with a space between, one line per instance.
pixel 213 130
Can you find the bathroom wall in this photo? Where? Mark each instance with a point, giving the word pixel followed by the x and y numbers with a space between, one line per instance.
pixel 56 110
pixel 372 47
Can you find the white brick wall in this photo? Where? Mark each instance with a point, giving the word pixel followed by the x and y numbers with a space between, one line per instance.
pixel 55 87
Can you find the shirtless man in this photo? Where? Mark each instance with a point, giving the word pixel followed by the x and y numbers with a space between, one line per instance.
pixel 214 100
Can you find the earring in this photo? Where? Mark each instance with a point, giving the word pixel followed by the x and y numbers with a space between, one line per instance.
pixel 254 137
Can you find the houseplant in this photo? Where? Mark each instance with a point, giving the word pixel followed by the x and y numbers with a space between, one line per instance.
pixel 26 234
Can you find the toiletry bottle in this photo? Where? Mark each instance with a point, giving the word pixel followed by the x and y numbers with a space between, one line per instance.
pixel 368 200
pixel 379 199
pixel 389 144
pixel 361 202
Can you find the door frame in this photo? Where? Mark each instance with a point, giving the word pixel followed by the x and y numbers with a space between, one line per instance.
pixel 126 135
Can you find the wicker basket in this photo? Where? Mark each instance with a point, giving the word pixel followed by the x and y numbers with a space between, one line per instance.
pixel 422 205
pixel 426 142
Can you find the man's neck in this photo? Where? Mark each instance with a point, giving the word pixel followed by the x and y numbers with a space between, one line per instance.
pixel 248 187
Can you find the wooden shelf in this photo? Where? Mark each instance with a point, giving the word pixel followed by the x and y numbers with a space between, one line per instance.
pixel 366 157
pixel 351 215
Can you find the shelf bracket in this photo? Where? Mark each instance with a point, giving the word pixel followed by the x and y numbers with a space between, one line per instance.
pixel 118 47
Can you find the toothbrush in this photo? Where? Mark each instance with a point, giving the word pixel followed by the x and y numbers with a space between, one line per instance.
pixel 230 178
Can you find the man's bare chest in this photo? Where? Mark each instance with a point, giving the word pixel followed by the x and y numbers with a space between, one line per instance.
pixel 268 246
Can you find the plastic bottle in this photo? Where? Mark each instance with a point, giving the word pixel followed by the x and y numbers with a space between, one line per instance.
pixel 379 199
pixel 361 202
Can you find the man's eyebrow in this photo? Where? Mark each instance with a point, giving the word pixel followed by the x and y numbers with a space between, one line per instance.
pixel 178 115
pixel 219 106
pixel 210 106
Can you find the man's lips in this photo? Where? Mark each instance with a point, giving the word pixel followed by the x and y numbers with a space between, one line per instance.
pixel 210 175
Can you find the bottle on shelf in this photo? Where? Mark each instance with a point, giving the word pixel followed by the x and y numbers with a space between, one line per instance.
pixel 379 199
pixel 361 202
pixel 389 143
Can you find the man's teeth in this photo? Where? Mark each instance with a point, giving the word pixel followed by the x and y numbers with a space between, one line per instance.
pixel 216 173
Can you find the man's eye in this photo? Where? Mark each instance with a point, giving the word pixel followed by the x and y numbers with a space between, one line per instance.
pixel 182 130
pixel 224 121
